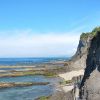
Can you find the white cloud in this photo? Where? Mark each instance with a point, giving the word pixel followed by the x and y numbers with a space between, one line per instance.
pixel 29 44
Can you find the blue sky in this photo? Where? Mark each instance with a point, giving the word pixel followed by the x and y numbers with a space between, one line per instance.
pixel 33 28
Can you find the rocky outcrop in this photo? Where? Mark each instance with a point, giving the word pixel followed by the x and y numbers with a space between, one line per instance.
pixel 90 85
pixel 88 57
pixel 60 95
pixel 87 86
pixel 78 61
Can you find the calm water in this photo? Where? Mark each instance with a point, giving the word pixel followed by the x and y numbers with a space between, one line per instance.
pixel 28 93
pixel 31 92
pixel 25 93
pixel 34 78
pixel 29 61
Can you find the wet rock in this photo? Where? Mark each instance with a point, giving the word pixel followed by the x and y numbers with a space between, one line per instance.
pixel 21 84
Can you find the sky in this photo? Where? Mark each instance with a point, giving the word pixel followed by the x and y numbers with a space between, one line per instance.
pixel 45 28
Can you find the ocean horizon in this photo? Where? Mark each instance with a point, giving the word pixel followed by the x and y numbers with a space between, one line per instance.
pixel 27 92
pixel 29 60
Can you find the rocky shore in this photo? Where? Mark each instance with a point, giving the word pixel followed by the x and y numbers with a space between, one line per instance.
pixel 80 74
pixel 84 66
pixel 48 69
pixel 21 84
pixel 70 89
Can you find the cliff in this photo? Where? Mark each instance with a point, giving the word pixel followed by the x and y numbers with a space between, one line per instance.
pixel 78 61
pixel 86 86
pixel 90 85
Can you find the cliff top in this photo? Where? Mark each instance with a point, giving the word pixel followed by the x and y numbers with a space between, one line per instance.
pixel 91 34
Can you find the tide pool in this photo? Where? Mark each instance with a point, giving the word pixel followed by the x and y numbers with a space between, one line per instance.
pixel 30 92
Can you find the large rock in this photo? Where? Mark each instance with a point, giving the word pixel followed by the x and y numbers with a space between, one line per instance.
pixel 90 86
pixel 78 61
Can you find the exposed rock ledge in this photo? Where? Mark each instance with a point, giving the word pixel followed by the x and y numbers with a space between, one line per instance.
pixel 21 84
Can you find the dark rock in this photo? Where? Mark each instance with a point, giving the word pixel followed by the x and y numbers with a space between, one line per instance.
pixel 60 95
pixel 78 61
pixel 90 86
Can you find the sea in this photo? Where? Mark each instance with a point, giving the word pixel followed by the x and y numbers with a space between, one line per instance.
pixel 30 92
pixel 30 61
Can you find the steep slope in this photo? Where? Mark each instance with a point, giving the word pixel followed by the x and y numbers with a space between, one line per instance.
pixel 87 57
pixel 78 61
pixel 90 85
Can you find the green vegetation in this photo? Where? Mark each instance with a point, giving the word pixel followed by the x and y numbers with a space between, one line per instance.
pixel 24 73
pixel 84 35
pixel 43 98
pixel 50 74
pixel 69 81
pixel 65 82
pixel 92 34
pixel 31 72
pixel 20 84
pixel 45 73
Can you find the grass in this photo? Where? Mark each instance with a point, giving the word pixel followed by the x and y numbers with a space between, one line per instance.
pixel 93 33
pixel 84 35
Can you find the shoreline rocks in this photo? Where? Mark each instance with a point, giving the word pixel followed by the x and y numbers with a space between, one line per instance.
pixel 20 84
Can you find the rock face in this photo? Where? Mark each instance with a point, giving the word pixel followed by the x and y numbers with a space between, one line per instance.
pixel 90 85
pixel 78 61
pixel 88 57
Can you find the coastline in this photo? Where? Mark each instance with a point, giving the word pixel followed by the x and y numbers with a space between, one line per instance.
pixel 66 91
pixel 62 89
pixel 69 76
pixel 48 70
